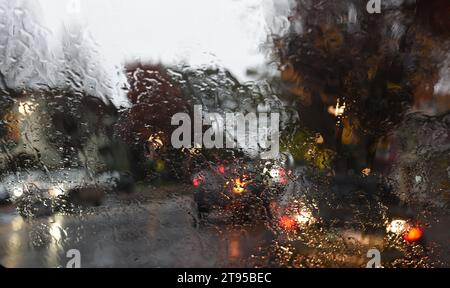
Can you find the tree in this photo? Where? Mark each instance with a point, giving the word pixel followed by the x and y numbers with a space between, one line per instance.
pixel 372 63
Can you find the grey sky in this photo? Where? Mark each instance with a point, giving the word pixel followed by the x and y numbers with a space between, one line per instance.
pixel 199 32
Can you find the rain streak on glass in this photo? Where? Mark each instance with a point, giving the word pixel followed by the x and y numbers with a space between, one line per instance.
pixel 89 89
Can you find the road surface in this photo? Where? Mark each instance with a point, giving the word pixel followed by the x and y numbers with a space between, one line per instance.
pixel 156 227
pixel 152 228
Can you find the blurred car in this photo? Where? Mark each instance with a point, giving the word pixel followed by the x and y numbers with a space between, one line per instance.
pixel 239 186
pixel 39 193
pixel 355 209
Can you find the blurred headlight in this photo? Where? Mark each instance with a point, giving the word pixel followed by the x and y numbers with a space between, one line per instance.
pixel 304 217
pixel 18 191
pixel 55 191
pixel 397 226
pixel 239 186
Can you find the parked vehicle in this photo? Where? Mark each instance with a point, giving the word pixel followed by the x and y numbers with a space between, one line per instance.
pixel 240 186
pixel 39 193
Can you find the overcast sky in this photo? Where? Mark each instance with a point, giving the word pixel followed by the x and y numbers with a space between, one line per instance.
pixel 199 32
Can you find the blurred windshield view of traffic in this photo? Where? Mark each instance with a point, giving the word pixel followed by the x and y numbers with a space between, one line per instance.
pixel 260 133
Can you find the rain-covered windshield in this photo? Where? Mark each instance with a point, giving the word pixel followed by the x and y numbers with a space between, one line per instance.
pixel 244 133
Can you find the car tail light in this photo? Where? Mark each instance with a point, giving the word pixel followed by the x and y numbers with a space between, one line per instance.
pixel 288 223
pixel 414 234
pixel 239 186
pixel 197 181
pixel 221 169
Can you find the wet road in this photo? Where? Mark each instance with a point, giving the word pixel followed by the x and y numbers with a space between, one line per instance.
pixel 152 228
pixel 156 227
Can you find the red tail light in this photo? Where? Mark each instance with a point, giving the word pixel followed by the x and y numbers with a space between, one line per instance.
pixel 287 223
pixel 414 234
pixel 283 176
pixel 221 169
pixel 197 181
